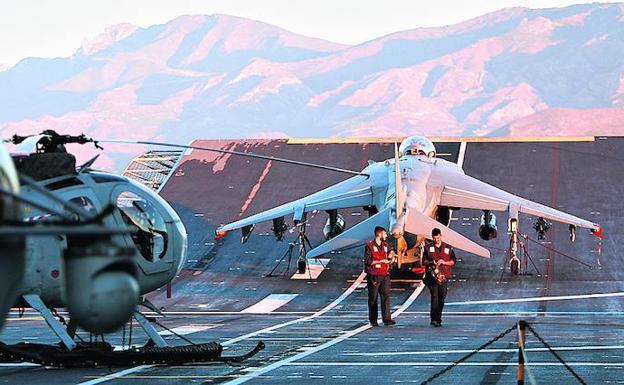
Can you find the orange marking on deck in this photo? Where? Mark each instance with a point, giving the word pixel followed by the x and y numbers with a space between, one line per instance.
pixel 220 162
pixel 255 188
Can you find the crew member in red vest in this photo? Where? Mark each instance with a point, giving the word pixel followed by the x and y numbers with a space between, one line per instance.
pixel 378 256
pixel 438 258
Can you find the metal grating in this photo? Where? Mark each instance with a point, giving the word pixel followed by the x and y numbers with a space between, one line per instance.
pixel 153 168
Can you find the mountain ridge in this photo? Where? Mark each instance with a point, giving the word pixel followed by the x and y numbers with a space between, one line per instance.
pixel 517 71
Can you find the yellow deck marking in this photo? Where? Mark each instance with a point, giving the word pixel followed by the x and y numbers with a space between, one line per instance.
pixel 453 139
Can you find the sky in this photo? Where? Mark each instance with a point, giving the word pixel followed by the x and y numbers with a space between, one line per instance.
pixel 56 28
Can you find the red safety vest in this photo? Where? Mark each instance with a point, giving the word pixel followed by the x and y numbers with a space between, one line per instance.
pixel 379 253
pixel 444 252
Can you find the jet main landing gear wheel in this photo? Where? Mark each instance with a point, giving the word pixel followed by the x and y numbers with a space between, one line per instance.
pixel 514 265
pixel 301 266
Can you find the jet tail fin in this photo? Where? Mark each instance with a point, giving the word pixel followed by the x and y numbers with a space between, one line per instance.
pixel 398 187
pixel 359 233
pixel 421 224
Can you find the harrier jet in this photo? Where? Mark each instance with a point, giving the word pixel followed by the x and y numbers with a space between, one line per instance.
pixel 409 195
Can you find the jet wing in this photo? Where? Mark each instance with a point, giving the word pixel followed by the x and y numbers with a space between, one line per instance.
pixel 358 234
pixel 353 192
pixel 421 224
pixel 468 192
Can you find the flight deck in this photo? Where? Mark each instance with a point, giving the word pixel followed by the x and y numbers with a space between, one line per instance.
pixel 315 324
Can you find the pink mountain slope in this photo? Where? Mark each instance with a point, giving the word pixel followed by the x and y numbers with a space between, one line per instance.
pixel 514 72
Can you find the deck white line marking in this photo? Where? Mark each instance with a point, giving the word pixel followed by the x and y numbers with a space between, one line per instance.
pixel 462 312
pixel 462 154
pixel 363 285
pixel 313 270
pixel 260 371
pixel 425 364
pixel 188 329
pixel 207 312
pixel 521 312
pixel 561 348
pixel 538 299
pixel 270 303
pixel 116 375
pixel 319 313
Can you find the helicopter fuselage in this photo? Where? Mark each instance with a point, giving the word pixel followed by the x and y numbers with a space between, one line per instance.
pixel 157 232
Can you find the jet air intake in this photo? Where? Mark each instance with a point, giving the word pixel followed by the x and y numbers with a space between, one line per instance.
pixel 101 285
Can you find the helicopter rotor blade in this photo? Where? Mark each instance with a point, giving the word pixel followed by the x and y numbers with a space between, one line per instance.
pixel 247 154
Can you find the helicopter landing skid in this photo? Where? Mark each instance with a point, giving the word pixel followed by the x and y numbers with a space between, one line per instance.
pixel 59 330
pixel 87 355
pixel 37 304
pixel 151 332
pixel 72 354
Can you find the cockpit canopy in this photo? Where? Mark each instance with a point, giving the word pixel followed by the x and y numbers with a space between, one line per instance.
pixel 417 145
pixel 140 213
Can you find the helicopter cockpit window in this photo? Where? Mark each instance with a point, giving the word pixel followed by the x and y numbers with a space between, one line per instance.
pixel 150 236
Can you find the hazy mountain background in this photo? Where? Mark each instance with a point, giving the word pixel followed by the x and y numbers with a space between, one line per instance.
pixel 518 72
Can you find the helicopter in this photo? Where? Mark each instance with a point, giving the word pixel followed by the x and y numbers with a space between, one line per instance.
pixel 97 272
pixel 14 232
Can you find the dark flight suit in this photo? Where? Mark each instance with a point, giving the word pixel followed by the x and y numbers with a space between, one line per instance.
pixel 377 280
pixel 438 291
